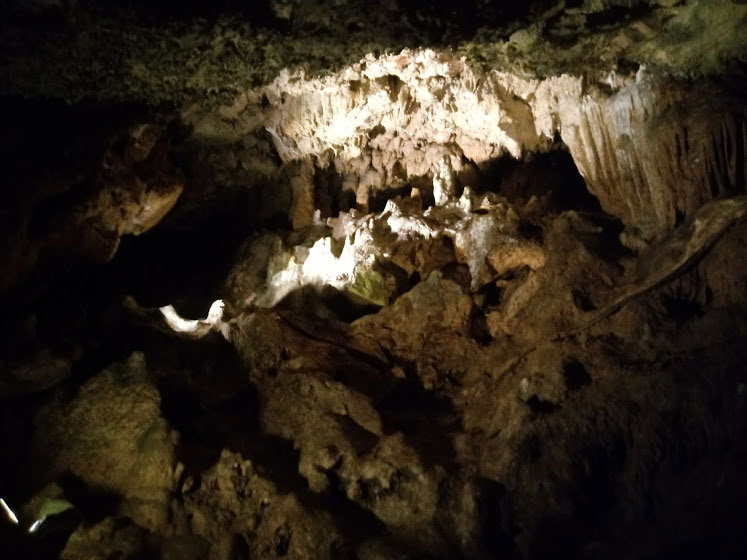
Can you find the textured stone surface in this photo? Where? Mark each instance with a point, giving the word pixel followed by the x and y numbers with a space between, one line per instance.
pixel 106 540
pixel 233 501
pixel 652 145
pixel 436 339
pixel 82 216
pixel 453 421
pixel 370 257
pixel 121 55
pixel 389 120
pixel 112 437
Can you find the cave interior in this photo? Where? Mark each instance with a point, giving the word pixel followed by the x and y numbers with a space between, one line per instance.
pixel 373 280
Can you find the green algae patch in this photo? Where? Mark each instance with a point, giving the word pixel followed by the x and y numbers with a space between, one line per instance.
pixel 369 287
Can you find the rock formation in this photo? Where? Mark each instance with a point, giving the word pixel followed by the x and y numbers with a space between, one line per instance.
pixel 393 279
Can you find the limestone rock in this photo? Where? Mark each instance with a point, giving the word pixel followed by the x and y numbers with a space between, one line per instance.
pixel 362 255
pixel 109 539
pixel 234 501
pixel 83 217
pixel 406 325
pixel 112 437
pixel 438 340
pixel 606 131
pixel 343 449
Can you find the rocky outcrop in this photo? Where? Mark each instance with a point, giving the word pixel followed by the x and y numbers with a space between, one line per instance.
pixel 655 150
pixel 234 508
pixel 650 148
pixel 112 437
pixel 82 217
pixel 469 416
pixel 372 257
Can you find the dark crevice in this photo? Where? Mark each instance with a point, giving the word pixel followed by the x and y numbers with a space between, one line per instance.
pixel 457 273
pixel 361 439
pixel 492 294
pixel 575 375
pixel 541 406
pixel 604 242
pixel 531 231
pixel 478 327
pixel 582 300
pixel 616 16
pixel 329 197
pixel 550 176
pixel 682 309
pixel 378 199
pixel 354 521
pixel 93 503
pixel 426 419
pixel 497 536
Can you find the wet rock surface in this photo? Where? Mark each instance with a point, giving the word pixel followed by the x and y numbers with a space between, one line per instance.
pixel 452 287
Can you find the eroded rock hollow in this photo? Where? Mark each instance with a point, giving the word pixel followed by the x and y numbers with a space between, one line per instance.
pixel 373 280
